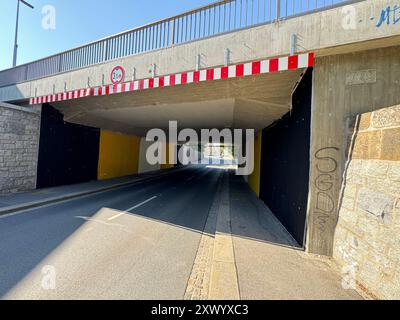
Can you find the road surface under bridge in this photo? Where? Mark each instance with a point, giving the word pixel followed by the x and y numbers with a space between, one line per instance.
pixel 146 241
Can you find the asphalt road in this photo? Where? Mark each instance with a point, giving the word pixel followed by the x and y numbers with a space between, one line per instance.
pixel 136 242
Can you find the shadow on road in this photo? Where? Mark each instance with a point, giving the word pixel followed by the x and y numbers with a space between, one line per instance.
pixel 31 239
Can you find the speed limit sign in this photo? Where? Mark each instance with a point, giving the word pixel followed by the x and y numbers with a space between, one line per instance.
pixel 117 75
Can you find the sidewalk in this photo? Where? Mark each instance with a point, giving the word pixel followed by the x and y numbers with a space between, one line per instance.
pixel 270 265
pixel 25 200
pixel 245 253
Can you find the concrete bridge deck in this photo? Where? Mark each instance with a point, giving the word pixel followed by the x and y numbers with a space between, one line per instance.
pixel 361 25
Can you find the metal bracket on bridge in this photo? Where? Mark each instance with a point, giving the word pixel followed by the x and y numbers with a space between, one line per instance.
pixel 153 70
pixel 227 57
pixel 293 44
pixel 198 62
pixel 134 74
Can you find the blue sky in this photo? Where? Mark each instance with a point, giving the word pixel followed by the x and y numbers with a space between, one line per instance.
pixel 77 22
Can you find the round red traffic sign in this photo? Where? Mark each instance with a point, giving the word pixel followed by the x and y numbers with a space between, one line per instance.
pixel 117 75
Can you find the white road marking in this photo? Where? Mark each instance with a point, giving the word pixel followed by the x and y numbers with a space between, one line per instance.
pixel 134 207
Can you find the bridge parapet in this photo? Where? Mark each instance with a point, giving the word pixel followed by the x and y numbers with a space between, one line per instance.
pixel 342 27
pixel 211 20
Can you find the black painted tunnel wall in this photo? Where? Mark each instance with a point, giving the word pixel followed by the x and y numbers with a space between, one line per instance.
pixel 68 153
pixel 285 162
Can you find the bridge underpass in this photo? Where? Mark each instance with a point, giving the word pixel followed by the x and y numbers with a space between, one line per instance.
pixel 190 229
pixel 308 174
pixel 179 205
pixel 251 102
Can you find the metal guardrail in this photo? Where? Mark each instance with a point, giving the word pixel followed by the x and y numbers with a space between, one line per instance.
pixel 217 18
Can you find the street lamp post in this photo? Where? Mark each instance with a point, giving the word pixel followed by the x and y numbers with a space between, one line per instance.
pixel 16 31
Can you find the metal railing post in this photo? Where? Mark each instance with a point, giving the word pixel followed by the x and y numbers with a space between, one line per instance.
pixel 172 42
pixel 60 63
pixel 105 50
pixel 278 9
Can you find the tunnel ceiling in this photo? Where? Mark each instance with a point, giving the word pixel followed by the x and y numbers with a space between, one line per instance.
pixel 250 102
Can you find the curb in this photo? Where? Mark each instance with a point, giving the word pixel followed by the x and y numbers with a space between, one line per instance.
pixel 224 282
pixel 40 203
pixel 214 274
pixel 198 284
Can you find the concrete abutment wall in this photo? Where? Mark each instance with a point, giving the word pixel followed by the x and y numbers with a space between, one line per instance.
pixel 344 86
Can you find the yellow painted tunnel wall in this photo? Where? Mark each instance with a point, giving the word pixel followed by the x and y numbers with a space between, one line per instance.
pixel 254 179
pixel 118 155
pixel 166 152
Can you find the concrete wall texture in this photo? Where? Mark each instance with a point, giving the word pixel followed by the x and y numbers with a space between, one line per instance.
pixel 367 236
pixel 19 141
pixel 118 155
pixel 343 86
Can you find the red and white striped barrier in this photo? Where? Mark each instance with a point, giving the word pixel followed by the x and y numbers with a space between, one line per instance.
pixel 235 71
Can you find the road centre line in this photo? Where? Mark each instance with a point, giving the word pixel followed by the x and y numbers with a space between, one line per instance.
pixel 134 207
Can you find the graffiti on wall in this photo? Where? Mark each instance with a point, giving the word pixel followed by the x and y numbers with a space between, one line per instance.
pixel 326 167
pixel 388 16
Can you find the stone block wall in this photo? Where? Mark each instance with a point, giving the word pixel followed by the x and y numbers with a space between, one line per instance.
pixel 19 142
pixel 367 237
